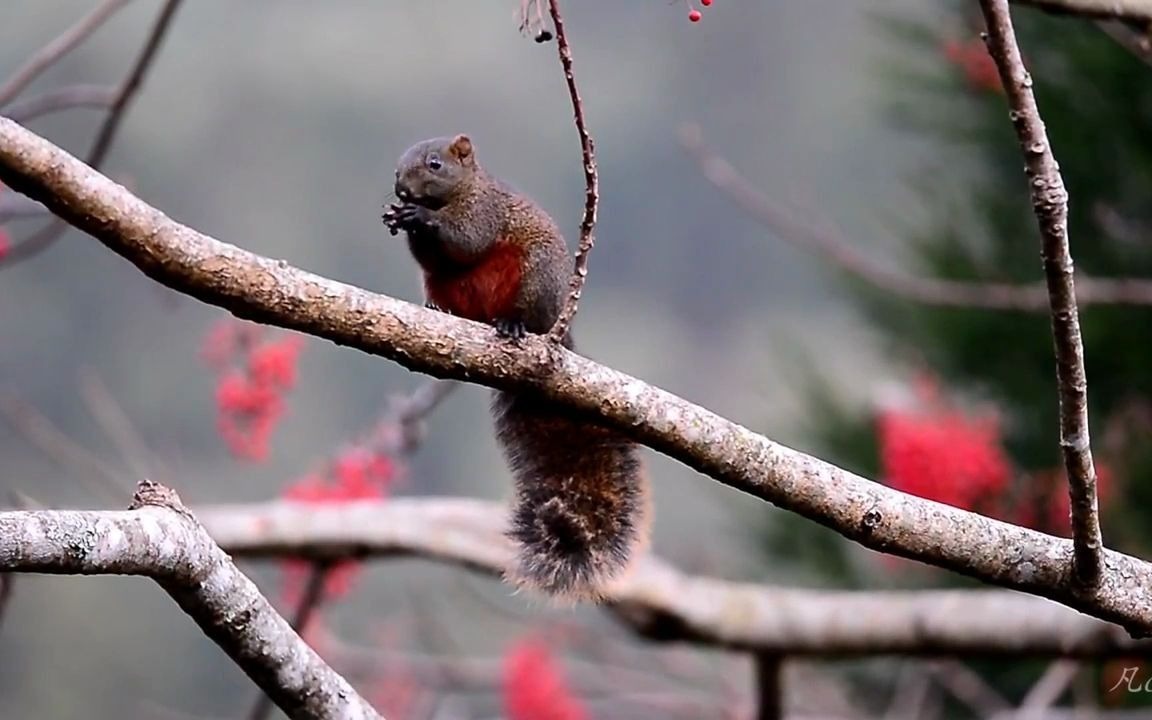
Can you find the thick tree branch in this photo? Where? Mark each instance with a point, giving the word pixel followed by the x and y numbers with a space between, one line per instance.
pixel 160 539
pixel 1137 10
pixel 273 292
pixel 1050 203
pixel 660 602
pixel 841 253
pixel 591 180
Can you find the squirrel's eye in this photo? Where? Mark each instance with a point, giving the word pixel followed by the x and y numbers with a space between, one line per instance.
pixel 434 162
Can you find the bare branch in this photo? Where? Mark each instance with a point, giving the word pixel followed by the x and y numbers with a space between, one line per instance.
pixel 1137 10
pixel 1051 685
pixel 159 538
pixel 313 593
pixel 5 594
pixel 399 432
pixel 275 293
pixel 1131 39
pixel 51 53
pixel 65 98
pixel 1050 203
pixel 967 686
pixel 100 478
pixel 592 192
pixel 841 253
pixel 769 686
pixel 115 423
pixel 663 603
pixel 44 238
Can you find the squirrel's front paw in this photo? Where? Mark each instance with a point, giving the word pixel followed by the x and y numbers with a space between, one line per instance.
pixel 509 329
pixel 406 216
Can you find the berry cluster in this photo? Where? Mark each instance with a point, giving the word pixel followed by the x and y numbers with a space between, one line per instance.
pixel 254 374
pixel 358 473
pixel 695 15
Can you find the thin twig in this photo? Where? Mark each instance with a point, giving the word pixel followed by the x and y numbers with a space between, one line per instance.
pixel 112 419
pixel 1051 685
pixel 44 238
pixel 841 253
pixel 65 98
pixel 41 432
pixel 592 192
pixel 1050 203
pixel 51 53
pixel 1135 10
pixel 1131 39
pixel 769 686
pixel 967 686
pixel 309 602
pixel 409 412
pixel 6 580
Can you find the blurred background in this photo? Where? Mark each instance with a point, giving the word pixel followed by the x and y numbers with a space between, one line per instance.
pixel 276 127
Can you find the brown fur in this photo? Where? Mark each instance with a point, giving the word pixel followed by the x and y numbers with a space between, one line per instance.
pixel 581 507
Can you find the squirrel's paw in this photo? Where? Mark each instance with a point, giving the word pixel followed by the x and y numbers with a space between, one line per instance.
pixel 433 306
pixel 407 216
pixel 509 329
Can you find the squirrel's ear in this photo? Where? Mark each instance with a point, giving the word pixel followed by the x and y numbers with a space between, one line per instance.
pixel 461 147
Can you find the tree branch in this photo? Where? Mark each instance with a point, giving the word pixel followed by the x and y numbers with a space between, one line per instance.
pixel 1050 203
pixel 841 253
pixel 313 593
pixel 51 53
pixel 592 193
pixel 65 98
pixel 660 602
pixel 1137 10
pixel 127 90
pixel 160 539
pixel 273 292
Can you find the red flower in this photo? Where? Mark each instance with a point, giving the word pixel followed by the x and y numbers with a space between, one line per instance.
pixel 973 60
pixel 254 378
pixel 274 363
pixel 944 455
pixel 534 688
pixel 356 475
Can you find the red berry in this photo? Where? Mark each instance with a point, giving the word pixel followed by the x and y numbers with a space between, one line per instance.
pixel 706 3
pixel 694 16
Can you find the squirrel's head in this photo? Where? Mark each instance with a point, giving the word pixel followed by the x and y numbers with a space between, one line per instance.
pixel 431 172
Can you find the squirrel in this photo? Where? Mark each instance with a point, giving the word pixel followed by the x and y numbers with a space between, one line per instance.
pixel 490 254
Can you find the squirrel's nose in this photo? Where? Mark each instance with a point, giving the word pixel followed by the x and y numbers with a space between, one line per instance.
pixel 402 193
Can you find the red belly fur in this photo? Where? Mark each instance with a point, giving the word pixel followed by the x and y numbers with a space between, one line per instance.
pixel 483 292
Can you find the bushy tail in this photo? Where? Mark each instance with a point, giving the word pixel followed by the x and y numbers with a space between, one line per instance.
pixel 581 506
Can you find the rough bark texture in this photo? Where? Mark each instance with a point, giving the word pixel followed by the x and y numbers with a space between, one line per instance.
pixel 663 603
pixel 1050 204
pixel 162 540
pixel 271 291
